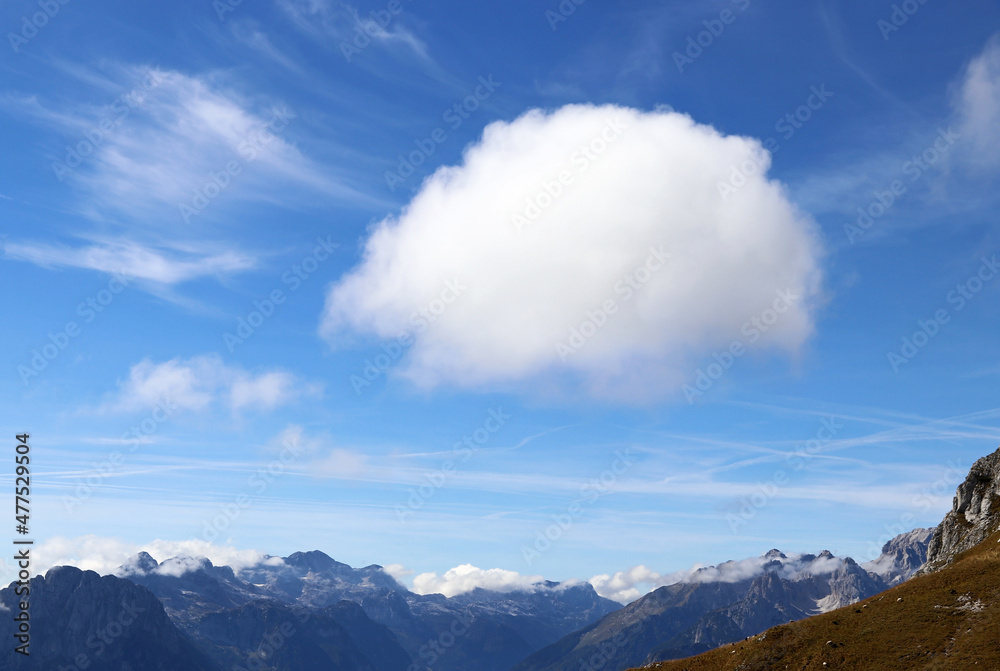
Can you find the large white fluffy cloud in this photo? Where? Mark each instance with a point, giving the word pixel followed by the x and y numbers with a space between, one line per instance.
pixel 978 103
pixel 467 577
pixel 623 586
pixel 561 218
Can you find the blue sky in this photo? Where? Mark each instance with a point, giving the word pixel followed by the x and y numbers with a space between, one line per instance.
pixel 268 265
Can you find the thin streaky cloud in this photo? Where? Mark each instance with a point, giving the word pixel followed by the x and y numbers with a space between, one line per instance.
pixel 132 260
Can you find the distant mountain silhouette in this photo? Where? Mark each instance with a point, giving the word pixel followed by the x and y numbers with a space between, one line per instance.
pixel 80 620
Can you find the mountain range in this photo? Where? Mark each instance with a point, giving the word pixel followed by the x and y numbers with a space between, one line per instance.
pixel 309 611
pixel 734 600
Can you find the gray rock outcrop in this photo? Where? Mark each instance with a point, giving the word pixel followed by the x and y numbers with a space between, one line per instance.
pixel 975 514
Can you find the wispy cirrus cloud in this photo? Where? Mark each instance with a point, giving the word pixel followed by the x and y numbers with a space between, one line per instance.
pixel 978 106
pixel 170 139
pixel 342 24
pixel 249 34
pixel 133 260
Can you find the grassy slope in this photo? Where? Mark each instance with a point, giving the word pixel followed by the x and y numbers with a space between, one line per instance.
pixel 933 627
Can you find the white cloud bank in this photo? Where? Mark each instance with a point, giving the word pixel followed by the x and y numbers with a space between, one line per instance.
pixel 556 220
pixel 106 555
pixel 978 104
pixel 629 585
pixel 195 383
pixel 623 586
pixel 467 577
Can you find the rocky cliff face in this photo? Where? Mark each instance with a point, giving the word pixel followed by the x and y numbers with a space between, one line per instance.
pixel 81 620
pixel 975 514
pixel 901 557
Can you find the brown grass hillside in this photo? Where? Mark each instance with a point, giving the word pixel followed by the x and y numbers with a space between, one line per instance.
pixel 947 621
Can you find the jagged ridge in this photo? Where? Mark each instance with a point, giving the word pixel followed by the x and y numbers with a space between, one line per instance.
pixel 975 514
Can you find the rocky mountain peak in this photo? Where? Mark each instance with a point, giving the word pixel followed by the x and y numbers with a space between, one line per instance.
pixel 975 514
pixel 902 556
pixel 313 561
pixel 141 563
pixel 906 541
pixel 145 561
pixel 775 554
